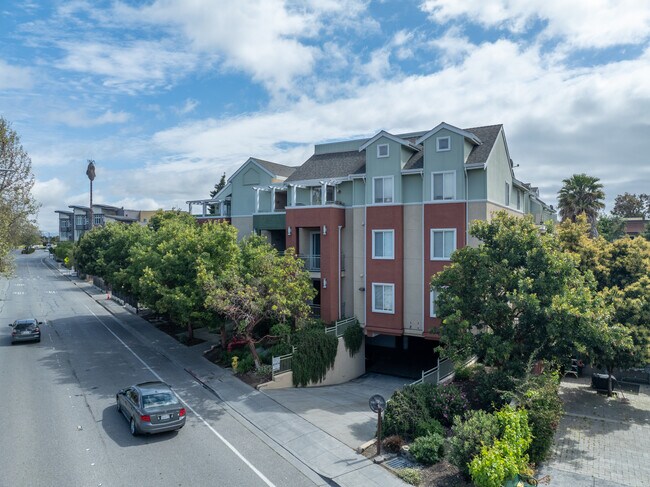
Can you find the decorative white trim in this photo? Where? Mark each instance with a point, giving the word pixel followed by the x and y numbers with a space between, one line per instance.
pixel 372 288
pixel 392 232
pixel 431 232
pixel 433 174
pixel 440 139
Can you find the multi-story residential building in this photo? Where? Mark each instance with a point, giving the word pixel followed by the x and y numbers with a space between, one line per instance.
pixel 375 218
pixel 635 225
pixel 73 224
pixel 66 225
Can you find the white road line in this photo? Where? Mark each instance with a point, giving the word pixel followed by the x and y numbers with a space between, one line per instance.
pixel 225 442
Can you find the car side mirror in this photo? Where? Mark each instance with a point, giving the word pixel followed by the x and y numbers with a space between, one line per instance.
pixel 40 322
pixel 11 324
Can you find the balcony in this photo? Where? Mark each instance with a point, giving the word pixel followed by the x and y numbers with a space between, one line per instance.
pixel 312 261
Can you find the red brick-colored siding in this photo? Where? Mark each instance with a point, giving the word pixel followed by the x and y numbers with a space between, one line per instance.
pixel 385 270
pixel 442 215
pixel 331 217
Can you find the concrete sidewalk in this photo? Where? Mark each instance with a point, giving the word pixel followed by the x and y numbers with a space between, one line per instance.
pixel 273 422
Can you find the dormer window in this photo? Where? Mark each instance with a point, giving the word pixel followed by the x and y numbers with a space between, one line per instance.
pixel 443 144
pixel 382 150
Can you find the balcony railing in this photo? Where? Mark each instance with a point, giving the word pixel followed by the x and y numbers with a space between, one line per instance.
pixel 312 261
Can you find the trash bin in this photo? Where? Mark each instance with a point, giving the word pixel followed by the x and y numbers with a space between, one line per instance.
pixel 599 382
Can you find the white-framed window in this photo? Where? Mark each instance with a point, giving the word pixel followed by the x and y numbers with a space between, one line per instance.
pixel 98 220
pixel 518 200
pixel 507 194
pixel 443 144
pixel 383 244
pixel 443 185
pixel 383 298
pixel 382 189
pixel 443 243
pixel 433 308
pixel 382 151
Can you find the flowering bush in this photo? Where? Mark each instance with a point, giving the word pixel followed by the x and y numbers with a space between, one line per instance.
pixel 445 402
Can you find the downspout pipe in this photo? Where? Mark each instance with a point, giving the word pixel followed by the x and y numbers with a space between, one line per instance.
pixel 340 227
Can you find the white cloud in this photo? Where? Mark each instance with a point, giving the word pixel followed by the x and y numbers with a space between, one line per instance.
pixel 581 23
pixel 80 118
pixel 130 67
pixel 14 77
pixel 187 107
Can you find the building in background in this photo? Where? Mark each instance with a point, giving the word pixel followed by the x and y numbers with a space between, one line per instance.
pixel 73 224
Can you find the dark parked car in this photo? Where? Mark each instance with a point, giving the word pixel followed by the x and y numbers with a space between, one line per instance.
pixel 25 330
pixel 151 407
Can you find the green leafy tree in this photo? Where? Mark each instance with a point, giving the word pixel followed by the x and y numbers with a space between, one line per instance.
pixel 262 285
pixel 162 216
pixel 16 201
pixel 646 232
pixel 629 205
pixel 582 194
pixel 217 188
pixel 611 227
pixel 171 262
pixel 517 294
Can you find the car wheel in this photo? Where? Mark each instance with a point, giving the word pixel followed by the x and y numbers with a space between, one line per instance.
pixel 134 429
pixel 119 406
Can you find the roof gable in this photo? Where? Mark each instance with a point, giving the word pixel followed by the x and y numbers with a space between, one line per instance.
pixel 451 128
pixel 271 168
pixel 392 137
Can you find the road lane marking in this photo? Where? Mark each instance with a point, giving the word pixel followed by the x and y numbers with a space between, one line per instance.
pixel 225 442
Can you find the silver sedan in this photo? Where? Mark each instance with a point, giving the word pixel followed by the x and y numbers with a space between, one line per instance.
pixel 26 330
pixel 151 407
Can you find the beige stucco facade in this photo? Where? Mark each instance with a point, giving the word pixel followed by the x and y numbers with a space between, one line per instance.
pixel 244 224
pixel 413 270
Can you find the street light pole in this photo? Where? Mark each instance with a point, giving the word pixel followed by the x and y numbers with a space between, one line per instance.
pixel 90 172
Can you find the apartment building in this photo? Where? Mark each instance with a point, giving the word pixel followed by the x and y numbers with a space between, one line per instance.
pixel 374 219
pixel 73 224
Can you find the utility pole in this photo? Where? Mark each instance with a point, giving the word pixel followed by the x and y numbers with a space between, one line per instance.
pixel 90 172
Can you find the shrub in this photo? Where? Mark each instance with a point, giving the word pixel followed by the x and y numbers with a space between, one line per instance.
pixel 353 338
pixel 445 402
pixel 544 406
pixel 489 388
pixel 478 429
pixel 507 456
pixel 245 364
pixel 279 349
pixel 429 426
pixel 410 475
pixel 428 449
pixel 314 356
pixel 404 410
pixel 393 443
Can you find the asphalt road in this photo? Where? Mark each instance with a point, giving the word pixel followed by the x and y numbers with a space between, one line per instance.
pixel 60 426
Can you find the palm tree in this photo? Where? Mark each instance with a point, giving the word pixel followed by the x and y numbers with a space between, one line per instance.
pixel 582 194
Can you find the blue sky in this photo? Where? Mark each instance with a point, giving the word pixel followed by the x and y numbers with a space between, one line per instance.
pixel 167 95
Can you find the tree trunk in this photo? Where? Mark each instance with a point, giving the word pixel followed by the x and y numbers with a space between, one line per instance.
pixel 190 332
pixel 223 336
pixel 256 357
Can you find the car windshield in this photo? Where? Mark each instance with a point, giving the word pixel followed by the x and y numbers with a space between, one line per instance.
pixel 159 399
